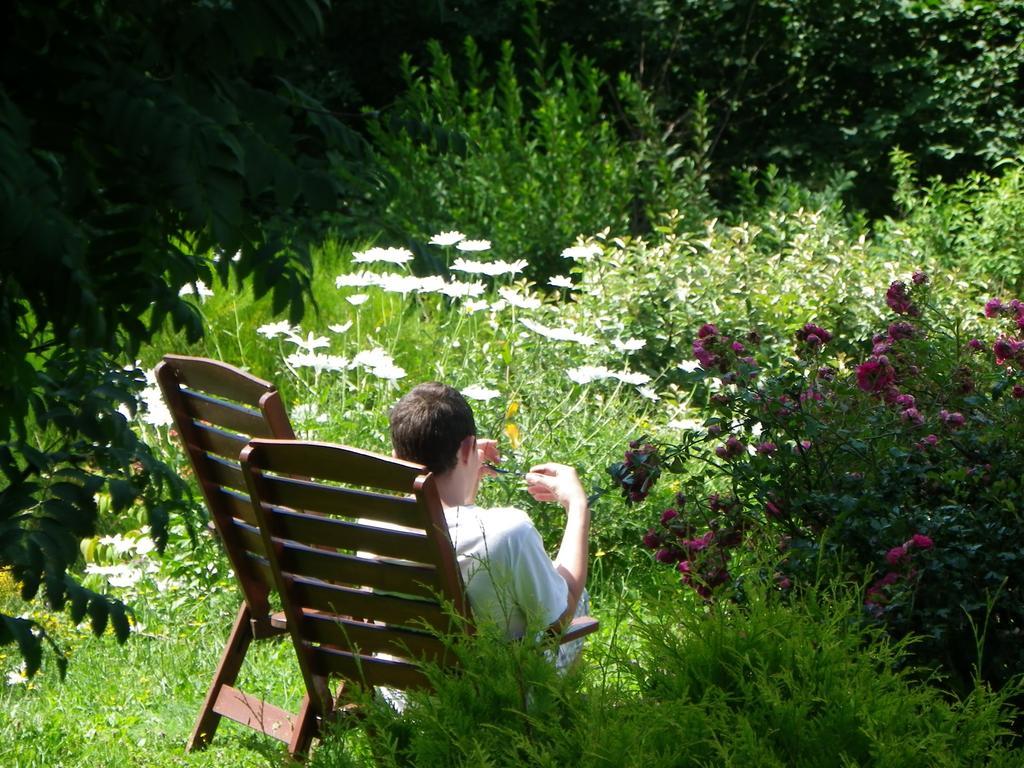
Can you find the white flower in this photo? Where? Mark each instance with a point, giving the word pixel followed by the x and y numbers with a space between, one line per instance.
pixel 588 373
pixel 498 306
pixel 356 280
pixel 310 343
pixel 560 281
pixel 629 345
pixel 389 255
pixel 396 283
pixel 340 328
pixel 492 268
pixel 476 306
pixel 517 299
pixel 477 392
pixel 116 575
pixel 373 358
pixel 474 245
pixel 557 334
pixel 447 238
pixel 581 252
pixel 689 366
pixel 198 288
pixel 281 327
pixel 389 372
pixel 156 411
pixel 628 377
pixel 317 361
pixel 431 284
pixel 458 290
pixel 144 545
pixel 357 298
pixel 649 393
pixel 17 676
pixel 120 544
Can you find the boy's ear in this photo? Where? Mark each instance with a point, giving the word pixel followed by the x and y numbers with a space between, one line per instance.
pixel 466 448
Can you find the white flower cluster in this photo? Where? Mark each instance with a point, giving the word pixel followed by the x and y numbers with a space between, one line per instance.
pixel 490 268
pixel 581 252
pixel 386 255
pixel 558 334
pixel 198 288
pixel 585 374
pixel 398 283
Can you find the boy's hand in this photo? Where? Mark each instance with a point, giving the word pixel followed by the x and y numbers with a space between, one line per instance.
pixel 488 452
pixel 556 482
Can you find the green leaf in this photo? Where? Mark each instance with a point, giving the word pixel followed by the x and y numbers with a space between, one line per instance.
pixel 122 493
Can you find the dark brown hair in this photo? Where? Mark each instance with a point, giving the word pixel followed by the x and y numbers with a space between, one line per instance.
pixel 429 423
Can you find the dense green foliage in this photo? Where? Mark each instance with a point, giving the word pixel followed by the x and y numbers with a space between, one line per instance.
pixel 135 138
pixel 811 86
pixel 530 165
pixel 765 686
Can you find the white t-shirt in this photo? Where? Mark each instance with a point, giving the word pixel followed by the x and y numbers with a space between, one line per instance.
pixel 509 578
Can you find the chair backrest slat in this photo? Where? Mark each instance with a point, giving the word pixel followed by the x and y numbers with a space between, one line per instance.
pixel 344 535
pixel 367 670
pixel 391 609
pixel 313 459
pixel 225 414
pixel 344 502
pixel 223 473
pixel 382 575
pixel 234 504
pixel 399 590
pixel 372 638
pixel 218 379
pixel 218 441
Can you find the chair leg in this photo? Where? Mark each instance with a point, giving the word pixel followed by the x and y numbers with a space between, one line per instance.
pixel 226 674
pixel 304 730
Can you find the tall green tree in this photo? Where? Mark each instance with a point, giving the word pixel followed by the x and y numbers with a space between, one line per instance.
pixel 138 139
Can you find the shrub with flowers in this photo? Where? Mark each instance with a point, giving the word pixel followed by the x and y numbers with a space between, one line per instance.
pixel 902 465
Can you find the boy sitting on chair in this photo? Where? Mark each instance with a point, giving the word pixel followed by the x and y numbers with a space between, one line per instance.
pixel 509 578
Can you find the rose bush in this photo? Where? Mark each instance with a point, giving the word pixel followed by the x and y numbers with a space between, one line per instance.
pixel 902 465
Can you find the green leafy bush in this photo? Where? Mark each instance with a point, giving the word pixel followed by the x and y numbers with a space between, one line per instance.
pixel 901 462
pixel 974 226
pixel 766 685
pixel 530 165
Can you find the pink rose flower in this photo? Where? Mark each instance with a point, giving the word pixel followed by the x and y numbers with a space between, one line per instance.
pixel 896 555
pixel 921 541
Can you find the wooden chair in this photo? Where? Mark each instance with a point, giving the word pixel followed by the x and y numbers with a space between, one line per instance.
pixel 217 409
pixel 364 565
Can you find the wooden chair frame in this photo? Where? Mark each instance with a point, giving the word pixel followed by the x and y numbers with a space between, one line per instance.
pixel 367 598
pixel 217 409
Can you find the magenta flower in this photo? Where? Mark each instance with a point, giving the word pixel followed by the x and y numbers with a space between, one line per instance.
pixel 912 416
pixel 766 448
pixel 666 556
pixel 899 301
pixel 975 345
pixel 901 330
pixel 906 401
pixel 921 541
pixel 1017 391
pixel 668 516
pixel 951 419
pixel 651 539
pixel 896 555
pixel 993 307
pixel 772 510
pixel 813 335
pixel 919 278
pixel 708 329
pixel 875 374
pixel 737 347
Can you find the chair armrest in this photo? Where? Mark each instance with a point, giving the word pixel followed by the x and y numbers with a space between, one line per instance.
pixel 581 626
